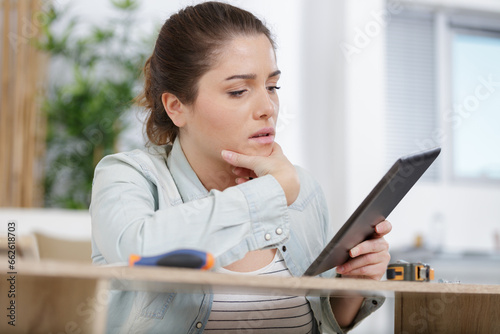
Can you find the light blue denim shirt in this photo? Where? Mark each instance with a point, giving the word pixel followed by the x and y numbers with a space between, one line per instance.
pixel 150 202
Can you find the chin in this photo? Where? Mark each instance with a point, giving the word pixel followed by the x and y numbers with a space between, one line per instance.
pixel 254 151
pixel 264 151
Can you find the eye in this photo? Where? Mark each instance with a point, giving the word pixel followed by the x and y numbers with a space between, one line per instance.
pixel 272 89
pixel 237 93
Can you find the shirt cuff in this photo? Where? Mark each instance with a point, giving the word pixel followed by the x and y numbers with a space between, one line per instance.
pixel 268 211
pixel 369 305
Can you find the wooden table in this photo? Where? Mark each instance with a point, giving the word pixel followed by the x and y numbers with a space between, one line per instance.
pixel 59 297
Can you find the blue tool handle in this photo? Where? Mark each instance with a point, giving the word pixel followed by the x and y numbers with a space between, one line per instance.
pixel 184 258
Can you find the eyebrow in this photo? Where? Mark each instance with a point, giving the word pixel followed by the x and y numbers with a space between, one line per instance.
pixel 251 76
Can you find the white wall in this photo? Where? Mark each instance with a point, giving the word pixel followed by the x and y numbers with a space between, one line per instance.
pixel 323 89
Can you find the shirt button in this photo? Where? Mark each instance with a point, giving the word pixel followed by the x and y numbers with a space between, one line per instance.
pixel 267 237
pixel 198 325
pixel 279 231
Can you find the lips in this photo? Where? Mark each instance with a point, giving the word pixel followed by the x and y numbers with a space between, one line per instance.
pixel 264 132
pixel 263 136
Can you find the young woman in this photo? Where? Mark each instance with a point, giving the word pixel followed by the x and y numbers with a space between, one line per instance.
pixel 215 180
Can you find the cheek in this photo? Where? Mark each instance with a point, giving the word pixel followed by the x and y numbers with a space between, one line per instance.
pixel 221 120
pixel 211 115
pixel 222 115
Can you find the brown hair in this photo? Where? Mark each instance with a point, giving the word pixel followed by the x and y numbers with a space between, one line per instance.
pixel 186 48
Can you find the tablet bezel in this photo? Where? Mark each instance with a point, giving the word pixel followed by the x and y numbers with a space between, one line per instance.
pixel 375 208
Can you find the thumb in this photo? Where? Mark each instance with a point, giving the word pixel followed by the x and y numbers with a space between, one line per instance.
pixel 259 165
pixel 239 160
pixel 277 150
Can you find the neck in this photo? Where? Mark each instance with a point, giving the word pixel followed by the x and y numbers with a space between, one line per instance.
pixel 212 172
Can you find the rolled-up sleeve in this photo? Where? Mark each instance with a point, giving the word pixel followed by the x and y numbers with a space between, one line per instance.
pixel 369 305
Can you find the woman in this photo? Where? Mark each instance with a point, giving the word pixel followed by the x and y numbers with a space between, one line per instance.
pixel 215 180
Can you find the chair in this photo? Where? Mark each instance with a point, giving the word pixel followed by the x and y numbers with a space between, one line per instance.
pixel 55 248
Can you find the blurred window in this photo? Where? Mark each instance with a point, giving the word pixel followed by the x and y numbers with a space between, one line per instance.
pixel 475 87
pixel 411 86
pixel 433 66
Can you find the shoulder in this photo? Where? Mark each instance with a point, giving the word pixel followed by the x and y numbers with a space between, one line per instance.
pixel 146 163
pixel 148 156
pixel 145 171
pixel 143 159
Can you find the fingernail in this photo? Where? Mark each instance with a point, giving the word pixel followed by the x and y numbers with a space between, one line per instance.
pixel 226 154
pixel 354 252
pixel 340 269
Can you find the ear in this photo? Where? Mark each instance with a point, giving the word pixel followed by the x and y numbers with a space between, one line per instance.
pixel 174 108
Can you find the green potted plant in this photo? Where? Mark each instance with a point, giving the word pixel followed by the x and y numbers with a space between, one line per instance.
pixel 96 81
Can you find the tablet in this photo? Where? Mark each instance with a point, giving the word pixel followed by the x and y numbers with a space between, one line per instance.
pixel 375 208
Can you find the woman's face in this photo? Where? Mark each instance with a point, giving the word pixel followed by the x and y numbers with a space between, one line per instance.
pixel 237 103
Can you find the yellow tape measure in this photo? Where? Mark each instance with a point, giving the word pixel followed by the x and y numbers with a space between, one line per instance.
pixel 405 271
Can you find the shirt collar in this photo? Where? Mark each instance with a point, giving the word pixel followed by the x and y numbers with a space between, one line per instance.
pixel 188 184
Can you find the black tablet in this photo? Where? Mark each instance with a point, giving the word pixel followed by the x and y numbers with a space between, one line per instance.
pixel 375 208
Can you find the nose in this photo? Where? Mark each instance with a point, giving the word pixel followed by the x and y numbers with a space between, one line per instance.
pixel 265 106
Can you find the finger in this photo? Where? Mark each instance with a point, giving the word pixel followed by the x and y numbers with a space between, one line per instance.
pixel 383 228
pixel 242 172
pixel 241 180
pixel 354 266
pixel 369 246
pixel 373 271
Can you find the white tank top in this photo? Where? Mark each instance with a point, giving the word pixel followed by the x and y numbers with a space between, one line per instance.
pixel 263 314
